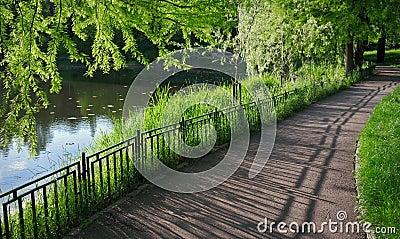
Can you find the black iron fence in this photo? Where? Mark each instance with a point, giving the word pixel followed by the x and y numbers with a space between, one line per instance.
pixel 49 206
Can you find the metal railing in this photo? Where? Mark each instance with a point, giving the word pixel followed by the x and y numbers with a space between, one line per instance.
pixel 50 205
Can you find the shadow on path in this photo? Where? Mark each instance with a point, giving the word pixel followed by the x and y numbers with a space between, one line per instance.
pixel 307 178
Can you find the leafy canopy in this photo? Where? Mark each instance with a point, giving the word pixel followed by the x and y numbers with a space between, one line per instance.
pixel 272 35
pixel 32 33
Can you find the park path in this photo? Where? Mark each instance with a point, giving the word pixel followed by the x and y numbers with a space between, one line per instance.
pixel 309 177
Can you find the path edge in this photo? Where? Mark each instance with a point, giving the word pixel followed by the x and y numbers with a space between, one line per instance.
pixel 360 211
pixel 74 232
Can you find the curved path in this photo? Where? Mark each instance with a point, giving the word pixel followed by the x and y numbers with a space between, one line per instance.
pixel 309 178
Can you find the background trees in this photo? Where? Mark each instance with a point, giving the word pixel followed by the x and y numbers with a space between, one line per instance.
pixel 279 36
pixel 286 31
pixel 384 21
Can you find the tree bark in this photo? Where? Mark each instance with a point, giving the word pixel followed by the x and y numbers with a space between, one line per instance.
pixel 359 55
pixel 350 66
pixel 380 56
pixel 1 59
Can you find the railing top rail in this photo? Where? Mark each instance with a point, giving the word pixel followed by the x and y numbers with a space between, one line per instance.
pixel 54 173
pixel 150 131
pixel 111 147
pixel 161 133
pixel 27 193
pixel 201 116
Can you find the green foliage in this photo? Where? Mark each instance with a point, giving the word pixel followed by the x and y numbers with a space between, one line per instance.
pixel 285 33
pixel 33 32
pixel 379 173
pixel 382 17
pixel 276 38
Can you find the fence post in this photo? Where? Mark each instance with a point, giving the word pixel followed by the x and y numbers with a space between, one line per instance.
pixel 215 118
pixel 84 184
pixel 183 129
pixel 138 155
pixel 6 222
pixel 137 144
pixel 237 91
pixel 83 163
pixel 234 93
pixel 240 93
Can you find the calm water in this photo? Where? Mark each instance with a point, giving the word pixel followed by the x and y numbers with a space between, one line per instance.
pixel 75 117
pixel 78 114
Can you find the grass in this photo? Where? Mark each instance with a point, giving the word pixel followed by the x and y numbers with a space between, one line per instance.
pixel 379 173
pixel 307 86
pixel 53 213
pixel 311 84
pixel 392 57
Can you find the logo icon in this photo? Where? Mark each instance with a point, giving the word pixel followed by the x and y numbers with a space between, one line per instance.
pixel 137 104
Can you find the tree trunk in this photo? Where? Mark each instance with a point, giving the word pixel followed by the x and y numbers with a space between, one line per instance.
pixel 350 66
pixel 1 59
pixel 380 56
pixel 359 55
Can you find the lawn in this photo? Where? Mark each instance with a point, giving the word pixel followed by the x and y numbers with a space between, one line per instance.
pixel 392 57
pixel 379 173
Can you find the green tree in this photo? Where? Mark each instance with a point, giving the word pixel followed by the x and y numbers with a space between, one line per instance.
pixel 272 35
pixel 277 36
pixel 289 29
pixel 33 32
pixel 384 20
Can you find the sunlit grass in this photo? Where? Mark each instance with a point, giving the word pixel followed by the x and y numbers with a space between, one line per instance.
pixel 379 174
pixel 306 87
pixel 392 57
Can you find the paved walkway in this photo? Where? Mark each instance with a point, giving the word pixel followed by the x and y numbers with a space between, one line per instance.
pixel 308 178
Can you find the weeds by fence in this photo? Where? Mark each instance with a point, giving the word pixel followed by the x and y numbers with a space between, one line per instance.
pixel 49 206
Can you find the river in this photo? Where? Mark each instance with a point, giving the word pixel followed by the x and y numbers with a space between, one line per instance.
pixel 83 108
pixel 79 113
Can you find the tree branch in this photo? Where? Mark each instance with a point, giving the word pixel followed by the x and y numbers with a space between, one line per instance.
pixel 59 17
pixel 175 5
pixel 22 16
pixel 30 33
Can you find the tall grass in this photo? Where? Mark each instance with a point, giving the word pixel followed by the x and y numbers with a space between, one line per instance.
pixel 304 84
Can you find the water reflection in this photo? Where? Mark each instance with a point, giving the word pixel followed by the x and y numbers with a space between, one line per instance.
pixel 76 116
pixel 79 104
pixel 82 110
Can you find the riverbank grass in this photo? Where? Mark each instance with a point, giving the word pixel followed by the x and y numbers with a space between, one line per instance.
pixel 379 173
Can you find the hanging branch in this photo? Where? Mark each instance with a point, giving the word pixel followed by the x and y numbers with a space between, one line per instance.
pixel 59 17
pixel 22 16
pixel 30 34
